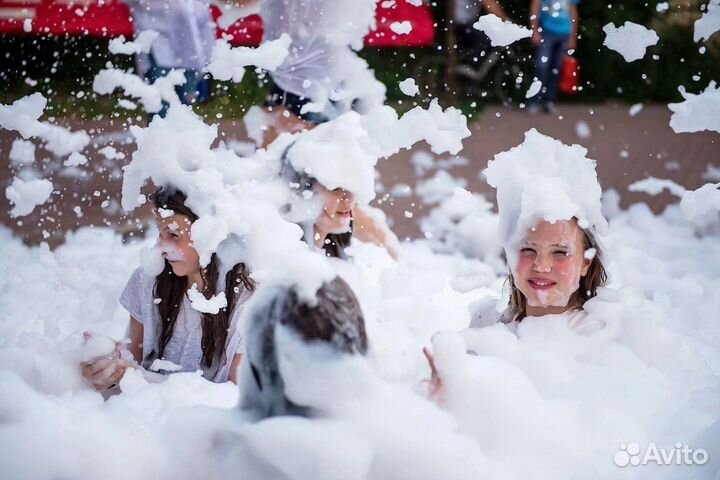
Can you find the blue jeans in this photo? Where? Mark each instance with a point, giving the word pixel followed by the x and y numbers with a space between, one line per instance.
pixel 195 89
pixel 553 49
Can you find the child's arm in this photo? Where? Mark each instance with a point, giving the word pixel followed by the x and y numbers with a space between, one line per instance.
pixel 233 374
pixel 574 23
pixel 492 6
pixel 535 22
pixel 135 334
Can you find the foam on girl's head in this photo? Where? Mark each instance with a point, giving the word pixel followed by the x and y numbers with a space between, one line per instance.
pixel 343 153
pixel 543 179
pixel 338 154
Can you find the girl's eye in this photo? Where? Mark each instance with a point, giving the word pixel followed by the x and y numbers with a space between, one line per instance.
pixel 561 253
pixel 527 251
pixel 174 235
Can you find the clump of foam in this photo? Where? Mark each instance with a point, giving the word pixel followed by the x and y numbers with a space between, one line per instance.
pixel 630 40
pixel 343 153
pixel 501 32
pixel 142 43
pixel 694 204
pixel 543 179
pixel 229 63
pixel 25 196
pixel 709 23
pixel 22 116
pixel 697 112
pixel 409 87
pixel 151 96
pixel 22 152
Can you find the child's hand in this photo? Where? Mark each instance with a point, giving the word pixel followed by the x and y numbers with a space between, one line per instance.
pixel 435 384
pixel 105 371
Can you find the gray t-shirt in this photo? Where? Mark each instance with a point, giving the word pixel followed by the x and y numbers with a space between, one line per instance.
pixel 184 348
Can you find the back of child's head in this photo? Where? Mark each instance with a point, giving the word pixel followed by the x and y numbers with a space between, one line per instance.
pixel 333 320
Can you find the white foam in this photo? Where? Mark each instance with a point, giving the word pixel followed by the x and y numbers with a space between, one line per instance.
pixel 630 40
pixel 25 196
pixel 707 25
pixel 501 32
pixel 698 112
pixel 229 63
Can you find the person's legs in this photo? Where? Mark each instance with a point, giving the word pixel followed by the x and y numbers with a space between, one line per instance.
pixel 196 88
pixel 557 49
pixel 153 72
pixel 542 68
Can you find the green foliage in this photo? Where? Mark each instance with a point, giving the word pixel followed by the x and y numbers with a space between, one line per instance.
pixel 64 69
pixel 674 61
pixel 605 74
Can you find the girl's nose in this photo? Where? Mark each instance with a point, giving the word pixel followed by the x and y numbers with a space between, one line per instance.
pixel 347 197
pixel 542 263
pixel 163 243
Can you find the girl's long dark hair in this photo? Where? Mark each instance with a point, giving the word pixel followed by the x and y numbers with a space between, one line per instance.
pixel 170 289
pixel 336 243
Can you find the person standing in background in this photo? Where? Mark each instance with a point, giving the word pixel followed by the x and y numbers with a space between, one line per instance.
pixel 186 35
pixel 554 24
pixel 322 77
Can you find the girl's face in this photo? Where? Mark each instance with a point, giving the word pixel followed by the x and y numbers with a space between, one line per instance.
pixel 337 208
pixel 550 261
pixel 176 246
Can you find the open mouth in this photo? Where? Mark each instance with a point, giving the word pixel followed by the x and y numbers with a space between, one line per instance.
pixel 541 283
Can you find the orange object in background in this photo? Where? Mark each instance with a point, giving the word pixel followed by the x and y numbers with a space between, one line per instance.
pixel 569 75
pixel 111 18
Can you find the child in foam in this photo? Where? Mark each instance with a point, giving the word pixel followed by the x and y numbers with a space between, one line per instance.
pixel 550 226
pixel 336 222
pixel 165 328
pixel 555 268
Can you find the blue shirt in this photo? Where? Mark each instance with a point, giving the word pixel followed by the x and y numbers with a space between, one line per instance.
pixel 555 16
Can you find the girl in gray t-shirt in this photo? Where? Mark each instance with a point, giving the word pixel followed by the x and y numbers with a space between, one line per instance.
pixel 166 333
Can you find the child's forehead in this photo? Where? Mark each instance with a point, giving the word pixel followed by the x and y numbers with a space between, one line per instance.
pixel 174 222
pixel 559 232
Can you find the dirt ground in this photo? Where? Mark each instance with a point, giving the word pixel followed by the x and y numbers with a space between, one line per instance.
pixel 627 148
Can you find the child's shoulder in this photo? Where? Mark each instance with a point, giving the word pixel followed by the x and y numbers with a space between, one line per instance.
pixel 140 279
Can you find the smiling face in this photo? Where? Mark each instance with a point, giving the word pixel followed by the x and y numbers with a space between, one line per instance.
pixel 336 213
pixel 176 246
pixel 550 262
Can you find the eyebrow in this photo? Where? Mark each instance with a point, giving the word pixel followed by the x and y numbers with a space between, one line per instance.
pixel 533 244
